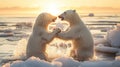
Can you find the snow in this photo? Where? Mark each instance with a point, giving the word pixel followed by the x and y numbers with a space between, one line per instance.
pixel 62 62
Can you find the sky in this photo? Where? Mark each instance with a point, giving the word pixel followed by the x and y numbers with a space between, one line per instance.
pixel 35 6
pixel 38 3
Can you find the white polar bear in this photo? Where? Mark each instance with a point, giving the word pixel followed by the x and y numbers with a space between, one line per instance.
pixel 83 46
pixel 40 37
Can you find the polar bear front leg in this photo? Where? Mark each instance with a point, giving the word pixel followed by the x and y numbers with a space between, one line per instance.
pixel 72 34
pixel 49 36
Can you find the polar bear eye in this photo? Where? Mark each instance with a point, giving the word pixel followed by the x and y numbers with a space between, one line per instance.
pixel 64 12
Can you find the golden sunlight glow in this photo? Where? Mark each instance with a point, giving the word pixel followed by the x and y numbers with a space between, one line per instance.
pixel 31 8
pixel 63 25
pixel 59 47
pixel 52 8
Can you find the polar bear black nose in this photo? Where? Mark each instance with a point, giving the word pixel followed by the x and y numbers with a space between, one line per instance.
pixel 54 19
pixel 59 16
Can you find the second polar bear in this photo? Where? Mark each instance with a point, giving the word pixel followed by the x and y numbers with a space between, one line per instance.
pixel 40 37
pixel 83 46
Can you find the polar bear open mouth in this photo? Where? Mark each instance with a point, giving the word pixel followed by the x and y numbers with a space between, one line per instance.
pixel 62 18
pixel 58 47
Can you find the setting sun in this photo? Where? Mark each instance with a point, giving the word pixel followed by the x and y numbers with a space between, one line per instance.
pixel 52 8
pixel 32 8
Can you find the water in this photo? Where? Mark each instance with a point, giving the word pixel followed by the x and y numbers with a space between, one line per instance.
pixel 17 19
pixel 8 48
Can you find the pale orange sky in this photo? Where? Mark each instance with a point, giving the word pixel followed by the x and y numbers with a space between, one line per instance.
pixel 39 3
pixel 35 6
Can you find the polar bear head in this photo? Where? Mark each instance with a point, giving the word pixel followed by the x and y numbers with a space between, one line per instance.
pixel 70 16
pixel 44 19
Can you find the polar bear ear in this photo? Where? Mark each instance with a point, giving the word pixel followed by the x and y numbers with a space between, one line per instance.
pixel 74 10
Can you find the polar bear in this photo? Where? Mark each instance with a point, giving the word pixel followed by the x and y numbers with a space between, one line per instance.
pixel 36 45
pixel 83 48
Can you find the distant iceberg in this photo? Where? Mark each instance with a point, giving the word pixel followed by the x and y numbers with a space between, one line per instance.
pixel 91 14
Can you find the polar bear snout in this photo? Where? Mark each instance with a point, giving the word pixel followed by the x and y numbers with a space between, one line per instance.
pixel 54 19
pixel 61 17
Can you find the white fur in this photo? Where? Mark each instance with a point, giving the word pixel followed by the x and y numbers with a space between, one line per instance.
pixel 83 48
pixel 40 37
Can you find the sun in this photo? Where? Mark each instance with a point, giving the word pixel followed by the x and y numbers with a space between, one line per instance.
pixel 52 8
